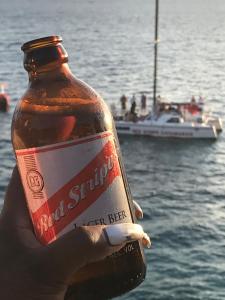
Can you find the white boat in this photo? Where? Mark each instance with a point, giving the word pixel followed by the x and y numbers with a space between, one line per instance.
pixel 169 119
pixel 166 125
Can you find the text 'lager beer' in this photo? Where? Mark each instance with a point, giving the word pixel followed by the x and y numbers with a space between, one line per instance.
pixel 70 165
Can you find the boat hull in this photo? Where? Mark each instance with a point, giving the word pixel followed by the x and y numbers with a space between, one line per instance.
pixel 176 131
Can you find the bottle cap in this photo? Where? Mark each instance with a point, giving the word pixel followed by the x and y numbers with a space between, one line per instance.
pixel 42 42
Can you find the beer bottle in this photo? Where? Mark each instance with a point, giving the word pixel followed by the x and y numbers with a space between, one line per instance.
pixel 70 164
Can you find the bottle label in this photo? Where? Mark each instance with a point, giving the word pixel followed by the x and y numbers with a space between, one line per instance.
pixel 72 184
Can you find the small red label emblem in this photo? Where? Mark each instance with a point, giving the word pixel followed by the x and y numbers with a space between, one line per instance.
pixel 35 181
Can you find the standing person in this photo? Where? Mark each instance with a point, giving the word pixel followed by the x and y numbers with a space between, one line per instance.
pixel 143 101
pixel 193 100
pixel 123 101
pixel 158 106
pixel 132 99
pixel 201 103
pixel 133 105
pixel 201 100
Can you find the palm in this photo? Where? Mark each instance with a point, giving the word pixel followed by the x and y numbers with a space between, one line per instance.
pixel 19 246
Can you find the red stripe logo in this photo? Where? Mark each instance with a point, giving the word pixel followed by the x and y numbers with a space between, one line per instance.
pixel 77 195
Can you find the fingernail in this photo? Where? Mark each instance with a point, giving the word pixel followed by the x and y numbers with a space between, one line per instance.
pixel 138 211
pixel 146 242
pixel 118 234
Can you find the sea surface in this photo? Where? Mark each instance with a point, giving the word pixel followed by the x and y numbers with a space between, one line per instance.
pixel 179 184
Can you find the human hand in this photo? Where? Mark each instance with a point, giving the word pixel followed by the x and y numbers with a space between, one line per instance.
pixel 32 271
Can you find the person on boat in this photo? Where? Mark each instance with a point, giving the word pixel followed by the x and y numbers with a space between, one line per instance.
pixel 30 270
pixel 133 106
pixel 143 101
pixel 201 103
pixel 4 104
pixel 193 107
pixel 160 106
pixel 133 114
pixel 4 99
pixel 201 100
pixel 158 99
pixel 123 101
pixel 132 99
pixel 193 100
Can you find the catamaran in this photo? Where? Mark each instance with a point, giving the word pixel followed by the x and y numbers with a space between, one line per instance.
pixel 168 119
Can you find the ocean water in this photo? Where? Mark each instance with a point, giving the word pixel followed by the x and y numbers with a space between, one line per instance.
pixel 179 184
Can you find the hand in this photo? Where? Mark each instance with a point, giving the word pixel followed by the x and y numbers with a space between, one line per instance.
pixel 32 271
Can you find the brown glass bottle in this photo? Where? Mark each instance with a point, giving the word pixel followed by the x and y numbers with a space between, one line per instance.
pixel 57 108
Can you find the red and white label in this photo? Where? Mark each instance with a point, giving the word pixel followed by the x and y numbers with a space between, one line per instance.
pixel 73 184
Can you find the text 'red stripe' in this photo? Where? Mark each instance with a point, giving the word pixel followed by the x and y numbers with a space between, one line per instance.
pixel 62 196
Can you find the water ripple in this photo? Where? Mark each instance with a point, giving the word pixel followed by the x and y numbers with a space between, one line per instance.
pixel 179 184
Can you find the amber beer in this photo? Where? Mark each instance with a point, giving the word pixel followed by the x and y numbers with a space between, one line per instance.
pixel 70 165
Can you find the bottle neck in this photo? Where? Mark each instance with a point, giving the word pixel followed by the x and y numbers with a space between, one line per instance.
pixel 50 72
pixel 46 62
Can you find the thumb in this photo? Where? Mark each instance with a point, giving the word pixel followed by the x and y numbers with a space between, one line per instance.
pixel 88 244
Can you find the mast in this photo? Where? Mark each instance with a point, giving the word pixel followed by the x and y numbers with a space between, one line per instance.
pixel 155 53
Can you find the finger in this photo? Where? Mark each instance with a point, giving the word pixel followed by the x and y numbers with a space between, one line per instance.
pixel 89 244
pixel 126 232
pixel 15 210
pixel 138 211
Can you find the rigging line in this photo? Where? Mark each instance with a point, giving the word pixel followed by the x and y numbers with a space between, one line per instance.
pixel 156 40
